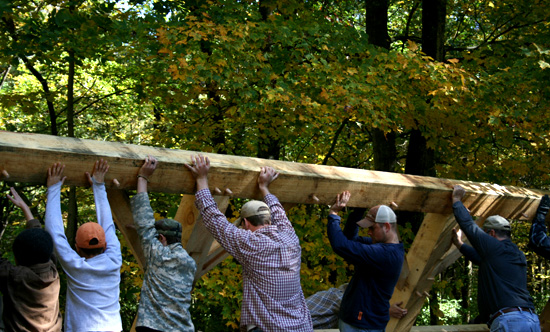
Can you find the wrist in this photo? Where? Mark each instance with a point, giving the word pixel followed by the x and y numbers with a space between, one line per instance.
pixel 202 183
pixel 264 190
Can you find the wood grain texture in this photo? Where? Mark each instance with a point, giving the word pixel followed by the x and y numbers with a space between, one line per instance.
pixel 26 157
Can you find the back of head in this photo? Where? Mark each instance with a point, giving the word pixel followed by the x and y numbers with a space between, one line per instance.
pixel 500 224
pixel 90 238
pixel 256 212
pixel 170 228
pixel 32 246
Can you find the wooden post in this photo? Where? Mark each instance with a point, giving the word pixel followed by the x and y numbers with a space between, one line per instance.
pixel 429 245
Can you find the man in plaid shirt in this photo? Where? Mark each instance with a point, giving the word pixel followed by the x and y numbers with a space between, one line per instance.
pixel 267 248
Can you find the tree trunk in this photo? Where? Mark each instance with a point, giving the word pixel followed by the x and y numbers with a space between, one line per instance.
pixel 376 26
pixel 385 151
pixel 72 216
pixel 433 28
pixel 269 147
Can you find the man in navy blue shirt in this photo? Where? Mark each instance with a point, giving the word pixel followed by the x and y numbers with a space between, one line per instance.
pixel 377 260
pixel 503 299
pixel 539 241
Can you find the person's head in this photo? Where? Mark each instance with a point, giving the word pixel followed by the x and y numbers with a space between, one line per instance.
pixel 381 224
pixel 90 240
pixel 497 226
pixel 254 214
pixel 169 231
pixel 32 246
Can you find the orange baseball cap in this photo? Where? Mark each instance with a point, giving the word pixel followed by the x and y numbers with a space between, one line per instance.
pixel 90 236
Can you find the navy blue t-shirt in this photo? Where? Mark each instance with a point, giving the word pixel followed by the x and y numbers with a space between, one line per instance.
pixel 365 303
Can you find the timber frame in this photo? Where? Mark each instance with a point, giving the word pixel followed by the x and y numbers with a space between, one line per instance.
pixel 234 176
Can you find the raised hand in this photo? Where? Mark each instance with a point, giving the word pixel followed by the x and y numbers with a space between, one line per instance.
pixel 55 174
pixel 340 203
pixel 148 167
pixel 200 165
pixel 98 173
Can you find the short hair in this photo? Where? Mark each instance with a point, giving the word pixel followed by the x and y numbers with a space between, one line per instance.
pixel 503 233
pixel 172 239
pixel 32 246
pixel 263 219
pixel 92 252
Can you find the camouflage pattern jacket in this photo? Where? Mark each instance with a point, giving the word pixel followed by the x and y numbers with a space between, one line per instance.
pixel 169 273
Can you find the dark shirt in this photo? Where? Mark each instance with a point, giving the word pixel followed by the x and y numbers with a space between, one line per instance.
pixel 539 241
pixel 502 274
pixel 366 301
pixel 30 295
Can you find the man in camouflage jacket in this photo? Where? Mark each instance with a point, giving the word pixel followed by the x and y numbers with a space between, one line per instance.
pixel 169 270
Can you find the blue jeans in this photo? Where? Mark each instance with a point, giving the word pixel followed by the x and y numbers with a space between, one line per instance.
pixel 516 321
pixel 345 327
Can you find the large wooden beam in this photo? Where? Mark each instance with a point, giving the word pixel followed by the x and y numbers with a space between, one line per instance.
pixel 26 158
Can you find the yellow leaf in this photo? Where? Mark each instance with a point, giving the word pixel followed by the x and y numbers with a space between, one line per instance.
pixel 412 45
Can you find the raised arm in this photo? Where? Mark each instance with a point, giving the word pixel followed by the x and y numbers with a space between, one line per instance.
pixel 144 218
pixel 20 203
pixel 54 219
pixel 278 216
pixel 539 241
pixel 477 237
pixel 145 173
pixel 351 229
pixel 103 210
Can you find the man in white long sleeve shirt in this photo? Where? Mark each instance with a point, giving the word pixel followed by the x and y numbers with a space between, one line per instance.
pixel 93 270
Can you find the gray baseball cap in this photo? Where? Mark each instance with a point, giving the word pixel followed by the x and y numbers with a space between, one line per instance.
pixel 497 222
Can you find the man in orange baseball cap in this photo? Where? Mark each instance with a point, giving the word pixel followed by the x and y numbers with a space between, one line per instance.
pixel 90 240
pixel 93 270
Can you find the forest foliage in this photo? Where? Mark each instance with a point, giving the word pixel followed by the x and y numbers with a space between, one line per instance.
pixel 291 80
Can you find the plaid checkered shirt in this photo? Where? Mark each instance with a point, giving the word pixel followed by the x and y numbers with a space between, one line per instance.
pixel 324 307
pixel 270 257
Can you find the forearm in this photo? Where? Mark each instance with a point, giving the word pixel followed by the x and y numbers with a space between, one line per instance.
pixel 144 220
pixel 54 222
pixel 103 210
pixel 470 253
pixel 264 190
pixel 141 185
pixel 278 215
pixel 466 223
pixel 104 216
pixel 27 212
pixel 351 229
pixel 53 218
pixel 216 223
